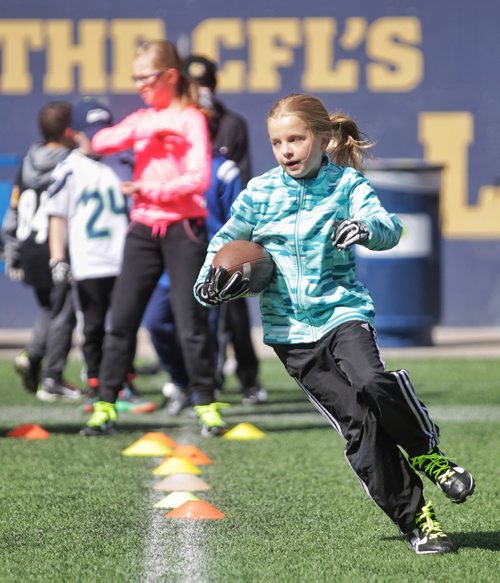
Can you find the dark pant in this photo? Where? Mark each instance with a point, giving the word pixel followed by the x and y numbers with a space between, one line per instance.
pixel 181 250
pixel 374 410
pixel 239 334
pixel 53 330
pixel 94 297
pixel 159 322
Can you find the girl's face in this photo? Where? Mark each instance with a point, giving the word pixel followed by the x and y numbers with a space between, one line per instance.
pixel 297 150
pixel 157 87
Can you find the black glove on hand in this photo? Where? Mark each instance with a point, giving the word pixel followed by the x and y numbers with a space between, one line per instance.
pixel 61 272
pixel 348 232
pixel 213 292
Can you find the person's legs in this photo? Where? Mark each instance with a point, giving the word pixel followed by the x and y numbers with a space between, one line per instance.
pixel 60 332
pixel 394 403
pixel 371 453
pixel 59 341
pixel 391 397
pixel 185 250
pixel 94 297
pixel 159 322
pixel 142 266
pixel 38 340
pixel 28 363
pixel 185 246
pixel 238 325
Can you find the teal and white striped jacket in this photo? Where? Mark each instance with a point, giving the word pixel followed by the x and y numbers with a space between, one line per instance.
pixel 314 288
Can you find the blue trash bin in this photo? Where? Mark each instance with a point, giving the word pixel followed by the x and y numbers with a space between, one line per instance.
pixel 405 281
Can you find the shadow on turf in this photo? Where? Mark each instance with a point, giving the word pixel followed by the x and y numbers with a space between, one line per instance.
pixel 472 540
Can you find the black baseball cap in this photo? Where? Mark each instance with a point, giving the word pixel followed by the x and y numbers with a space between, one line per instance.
pixel 89 116
pixel 201 70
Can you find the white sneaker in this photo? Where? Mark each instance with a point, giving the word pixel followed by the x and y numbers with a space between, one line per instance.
pixel 51 390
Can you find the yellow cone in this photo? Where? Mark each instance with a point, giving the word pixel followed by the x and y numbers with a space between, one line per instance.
pixel 175 499
pixel 176 465
pixel 244 431
pixel 146 447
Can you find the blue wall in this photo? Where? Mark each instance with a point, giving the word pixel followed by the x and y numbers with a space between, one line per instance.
pixel 421 78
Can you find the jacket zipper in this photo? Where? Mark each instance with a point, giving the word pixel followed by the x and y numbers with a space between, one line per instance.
pixel 300 304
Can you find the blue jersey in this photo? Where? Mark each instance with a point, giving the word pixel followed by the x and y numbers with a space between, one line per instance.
pixel 314 288
pixel 225 185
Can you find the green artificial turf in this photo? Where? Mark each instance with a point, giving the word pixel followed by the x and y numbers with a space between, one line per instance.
pixel 75 509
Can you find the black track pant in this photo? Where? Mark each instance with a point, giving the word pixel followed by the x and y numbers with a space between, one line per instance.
pixel 239 331
pixel 94 296
pixel 53 330
pixel 181 249
pixel 374 410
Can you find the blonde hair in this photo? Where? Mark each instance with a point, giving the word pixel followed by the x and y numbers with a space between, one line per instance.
pixel 165 56
pixel 347 145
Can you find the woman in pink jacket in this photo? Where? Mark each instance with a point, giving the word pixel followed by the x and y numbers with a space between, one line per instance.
pixel 172 170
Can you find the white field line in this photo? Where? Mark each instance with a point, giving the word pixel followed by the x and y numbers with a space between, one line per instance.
pixel 181 558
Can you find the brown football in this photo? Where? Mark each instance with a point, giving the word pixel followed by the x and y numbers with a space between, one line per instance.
pixel 250 259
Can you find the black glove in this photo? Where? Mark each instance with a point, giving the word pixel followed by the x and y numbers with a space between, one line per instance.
pixel 214 292
pixel 61 272
pixel 348 232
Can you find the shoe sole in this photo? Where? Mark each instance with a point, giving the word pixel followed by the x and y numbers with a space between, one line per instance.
pixel 89 432
pixel 51 398
pixel 441 552
pixel 213 432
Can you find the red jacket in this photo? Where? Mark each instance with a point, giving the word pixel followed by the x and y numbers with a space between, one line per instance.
pixel 173 171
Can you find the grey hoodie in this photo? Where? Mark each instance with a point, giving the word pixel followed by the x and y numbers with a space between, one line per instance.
pixel 34 175
pixel 38 164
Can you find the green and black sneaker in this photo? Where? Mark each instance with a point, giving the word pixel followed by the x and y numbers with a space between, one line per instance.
pixel 212 424
pixel 102 421
pixel 454 481
pixel 428 537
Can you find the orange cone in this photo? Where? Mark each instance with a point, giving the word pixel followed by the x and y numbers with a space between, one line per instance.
pixel 191 453
pixel 196 510
pixel 29 431
pixel 160 438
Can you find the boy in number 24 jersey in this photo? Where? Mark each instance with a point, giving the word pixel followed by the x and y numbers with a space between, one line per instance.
pixel 88 220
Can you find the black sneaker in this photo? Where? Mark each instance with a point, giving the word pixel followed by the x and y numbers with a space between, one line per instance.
pixel 428 537
pixel 454 481
pixel 28 370
pixel 102 422
pixel 254 395
pixel 51 390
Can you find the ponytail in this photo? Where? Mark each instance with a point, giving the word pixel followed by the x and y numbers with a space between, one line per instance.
pixel 348 145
